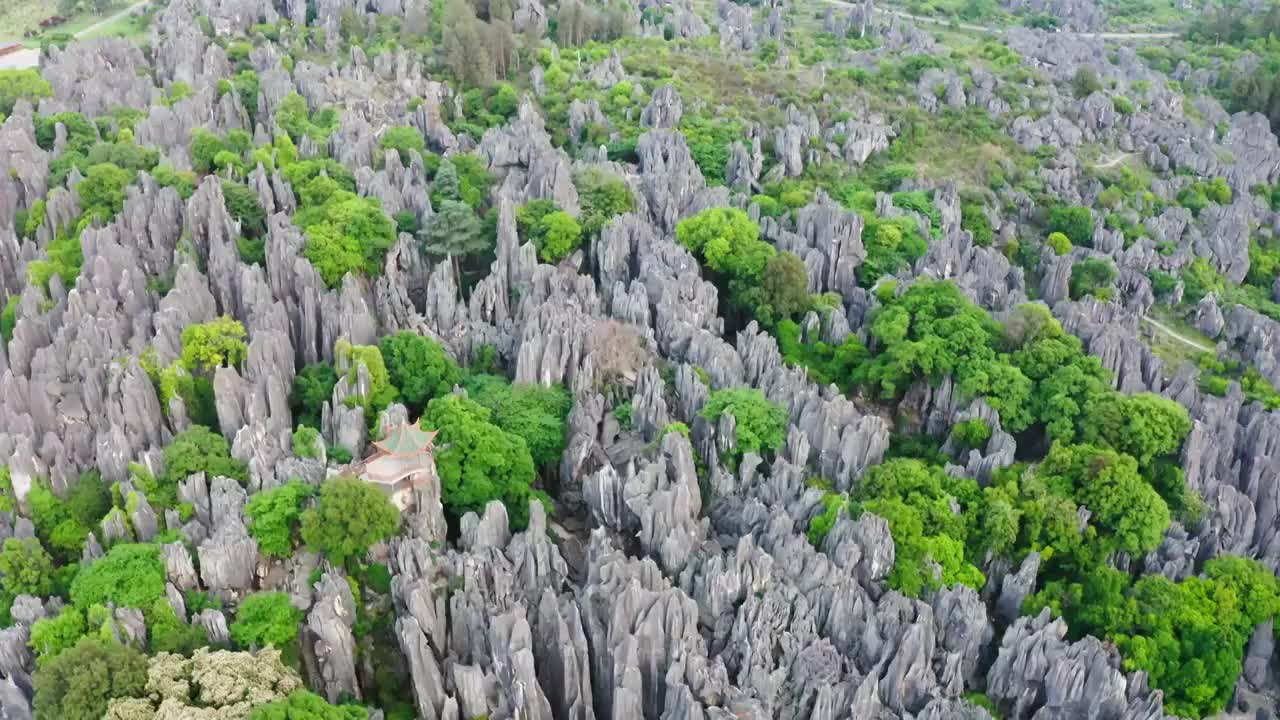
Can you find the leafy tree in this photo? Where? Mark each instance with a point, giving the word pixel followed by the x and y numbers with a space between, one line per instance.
pixel 729 243
pixel 1059 243
pixel 404 140
pixel 1127 513
pixel 242 203
pixel 891 245
pixel 602 197
pixel 27 568
pixel 307 442
pixel 312 388
pixel 727 240
pixel 561 234
pixel 535 413
pixel 920 504
pixel 419 366
pixel 446 184
pixel 208 346
pixel 1092 277
pixel 1085 82
pixel 169 633
pixel 826 364
pixel 784 289
pixel 761 425
pixel 1073 221
pixel 58 530
pixel 21 85
pixel 306 705
pixel 1145 425
pixel 266 619
pixel 932 330
pixel 473 178
pixel 972 433
pixel 454 232
pixel 529 218
pixel 79 683
pixel 975 220
pixel 349 516
pixel 89 499
pixel 102 191
pixel 480 461
pixel 51 636
pixel 9 318
pixel 130 575
pixel 274 516
pixel 200 450
pixel 345 233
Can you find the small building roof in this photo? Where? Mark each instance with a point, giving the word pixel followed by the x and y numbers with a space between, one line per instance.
pixel 407 440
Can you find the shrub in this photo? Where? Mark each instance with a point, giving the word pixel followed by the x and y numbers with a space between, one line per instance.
pixel 307 443
pixel 760 424
pixel 1059 243
pixel 972 434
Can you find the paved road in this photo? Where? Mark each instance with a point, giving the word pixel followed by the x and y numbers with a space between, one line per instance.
pixel 998 31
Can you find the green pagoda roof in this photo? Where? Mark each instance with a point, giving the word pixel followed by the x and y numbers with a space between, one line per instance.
pixel 407 440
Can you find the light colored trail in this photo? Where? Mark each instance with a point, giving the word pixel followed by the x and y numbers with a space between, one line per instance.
pixel 1113 161
pixel 1174 334
pixel 111 18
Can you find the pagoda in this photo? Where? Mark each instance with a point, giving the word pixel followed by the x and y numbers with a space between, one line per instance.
pixel 402 462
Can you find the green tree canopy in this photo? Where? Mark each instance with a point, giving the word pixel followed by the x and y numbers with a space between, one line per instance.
pixel 349 516
pixel 345 232
pixel 201 450
pixel 266 619
pixel 26 567
pixel 80 682
pixel 761 424
pixel 102 190
pixel 561 234
pixel 18 85
pixel 1146 426
pixel 50 636
pixel 404 140
pixel 480 461
pixel 920 504
pixel 535 413
pixel 1092 276
pixel 1126 511
pixel 275 514
pixel 419 366
pixel 129 575
pixel 728 241
pixel 603 197
pixel 306 705
pixel 208 346
pixel 454 232
pixel 312 388
pixel 1073 221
